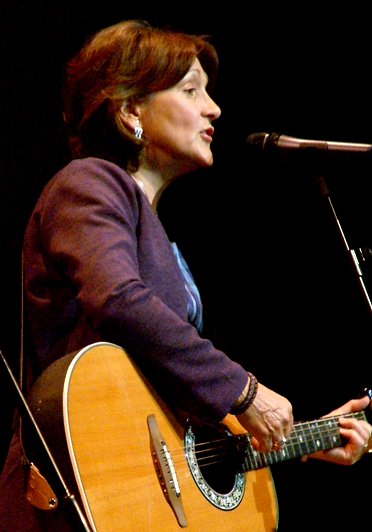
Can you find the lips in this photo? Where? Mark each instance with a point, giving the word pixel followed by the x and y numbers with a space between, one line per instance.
pixel 207 134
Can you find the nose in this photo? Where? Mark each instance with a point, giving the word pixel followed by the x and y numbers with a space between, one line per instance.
pixel 213 110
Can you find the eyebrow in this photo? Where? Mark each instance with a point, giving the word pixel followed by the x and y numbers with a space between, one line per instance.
pixel 199 72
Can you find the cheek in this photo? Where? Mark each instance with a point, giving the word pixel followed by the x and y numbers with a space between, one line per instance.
pixel 177 115
pixel 171 122
pixel 172 129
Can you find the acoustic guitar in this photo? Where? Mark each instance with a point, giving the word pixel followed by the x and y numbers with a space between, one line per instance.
pixel 137 468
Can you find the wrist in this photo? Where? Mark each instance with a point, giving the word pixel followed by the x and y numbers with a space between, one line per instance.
pixel 247 397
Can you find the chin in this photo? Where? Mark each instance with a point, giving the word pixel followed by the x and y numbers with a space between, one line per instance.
pixel 199 161
pixel 209 162
pixel 206 161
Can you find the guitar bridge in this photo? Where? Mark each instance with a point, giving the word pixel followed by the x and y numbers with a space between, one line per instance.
pixel 165 470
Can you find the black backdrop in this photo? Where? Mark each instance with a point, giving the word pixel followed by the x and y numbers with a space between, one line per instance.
pixel 278 288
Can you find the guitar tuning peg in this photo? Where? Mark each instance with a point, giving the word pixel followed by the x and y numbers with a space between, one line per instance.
pixel 366 391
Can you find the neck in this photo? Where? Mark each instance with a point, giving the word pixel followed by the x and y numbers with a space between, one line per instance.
pixel 151 184
pixel 139 183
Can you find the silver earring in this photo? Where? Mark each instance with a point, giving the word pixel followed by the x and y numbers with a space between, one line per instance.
pixel 138 131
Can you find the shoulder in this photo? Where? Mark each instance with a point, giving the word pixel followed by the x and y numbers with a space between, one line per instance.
pixel 89 178
pixel 93 170
pixel 86 187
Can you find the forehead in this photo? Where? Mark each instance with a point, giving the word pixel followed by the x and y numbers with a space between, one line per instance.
pixel 197 69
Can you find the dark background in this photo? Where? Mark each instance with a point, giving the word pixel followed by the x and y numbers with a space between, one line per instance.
pixel 279 290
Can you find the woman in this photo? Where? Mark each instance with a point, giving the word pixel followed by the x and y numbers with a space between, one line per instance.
pixel 98 264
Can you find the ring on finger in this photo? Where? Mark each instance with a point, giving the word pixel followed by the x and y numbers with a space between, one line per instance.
pixel 278 444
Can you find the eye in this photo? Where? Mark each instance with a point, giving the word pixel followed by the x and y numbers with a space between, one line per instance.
pixel 190 90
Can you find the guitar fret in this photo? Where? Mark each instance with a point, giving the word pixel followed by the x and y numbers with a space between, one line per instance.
pixel 299 440
pixel 251 458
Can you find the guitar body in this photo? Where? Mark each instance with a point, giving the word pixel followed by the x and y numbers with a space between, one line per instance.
pixel 106 402
pixel 133 466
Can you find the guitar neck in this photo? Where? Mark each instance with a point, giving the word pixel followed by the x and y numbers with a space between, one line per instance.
pixel 306 438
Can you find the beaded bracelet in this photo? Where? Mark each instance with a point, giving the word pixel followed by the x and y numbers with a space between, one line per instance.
pixel 249 398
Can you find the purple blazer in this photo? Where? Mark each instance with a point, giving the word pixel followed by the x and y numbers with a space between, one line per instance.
pixel 98 266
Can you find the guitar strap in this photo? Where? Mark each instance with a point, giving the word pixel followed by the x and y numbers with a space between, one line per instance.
pixel 37 489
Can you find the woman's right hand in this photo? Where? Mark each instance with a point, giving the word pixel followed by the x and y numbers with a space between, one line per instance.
pixel 269 420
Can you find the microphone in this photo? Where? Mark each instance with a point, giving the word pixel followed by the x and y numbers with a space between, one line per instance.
pixel 265 141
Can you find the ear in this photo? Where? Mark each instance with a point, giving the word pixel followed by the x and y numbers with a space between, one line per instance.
pixel 129 115
pixel 129 119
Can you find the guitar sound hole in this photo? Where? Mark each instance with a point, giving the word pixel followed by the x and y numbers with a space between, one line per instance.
pixel 215 457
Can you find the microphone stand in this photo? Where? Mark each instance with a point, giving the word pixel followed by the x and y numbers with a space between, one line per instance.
pixel 351 253
pixel 78 516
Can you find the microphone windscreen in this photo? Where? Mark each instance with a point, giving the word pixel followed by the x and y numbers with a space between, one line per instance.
pixel 257 140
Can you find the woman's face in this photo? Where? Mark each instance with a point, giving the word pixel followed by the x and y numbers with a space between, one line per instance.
pixel 177 125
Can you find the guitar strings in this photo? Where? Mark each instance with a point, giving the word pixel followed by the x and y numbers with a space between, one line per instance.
pixel 306 438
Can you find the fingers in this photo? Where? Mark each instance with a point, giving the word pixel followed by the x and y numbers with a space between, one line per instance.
pixel 273 436
pixel 354 405
pixel 271 443
pixel 269 420
pixel 277 445
pixel 368 445
pixel 266 446
pixel 358 442
pixel 357 432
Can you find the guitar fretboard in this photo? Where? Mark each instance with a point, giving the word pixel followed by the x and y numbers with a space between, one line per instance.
pixel 306 438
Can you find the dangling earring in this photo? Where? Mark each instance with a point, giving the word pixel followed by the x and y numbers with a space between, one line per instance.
pixel 138 130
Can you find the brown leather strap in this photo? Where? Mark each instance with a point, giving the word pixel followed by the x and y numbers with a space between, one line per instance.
pixel 38 490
